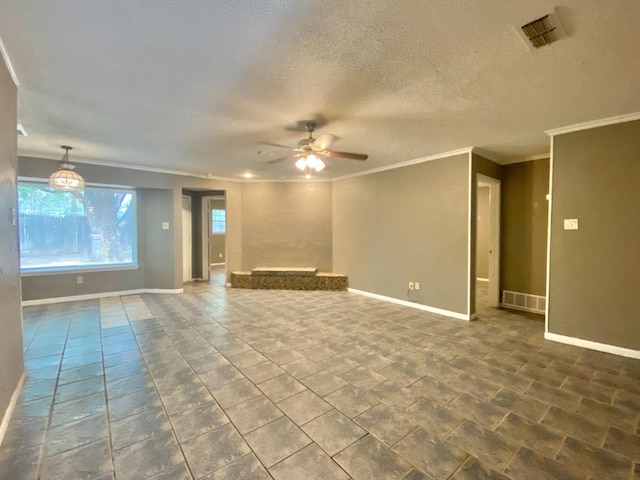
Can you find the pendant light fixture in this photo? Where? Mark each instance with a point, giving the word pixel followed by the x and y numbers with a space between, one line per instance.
pixel 64 178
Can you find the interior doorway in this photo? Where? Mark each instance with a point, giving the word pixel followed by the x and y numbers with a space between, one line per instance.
pixel 487 242
pixel 187 240
pixel 214 233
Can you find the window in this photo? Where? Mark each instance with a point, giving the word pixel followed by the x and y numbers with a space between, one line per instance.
pixel 76 230
pixel 218 221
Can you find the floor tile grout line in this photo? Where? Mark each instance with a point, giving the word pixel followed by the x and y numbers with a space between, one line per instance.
pixel 226 415
pixel 404 436
pixel 299 379
pixel 235 332
pixel 205 433
pixel 41 456
pixel 173 432
pixel 559 449
pixel 511 458
pixel 307 446
pixel 106 397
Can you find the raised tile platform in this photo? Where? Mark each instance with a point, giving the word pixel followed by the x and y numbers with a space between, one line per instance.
pixel 283 278
pixel 285 271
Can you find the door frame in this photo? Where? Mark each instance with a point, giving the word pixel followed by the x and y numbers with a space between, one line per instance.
pixel 206 234
pixel 187 238
pixel 494 237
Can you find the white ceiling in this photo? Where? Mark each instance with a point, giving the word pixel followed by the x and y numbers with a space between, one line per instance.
pixel 194 85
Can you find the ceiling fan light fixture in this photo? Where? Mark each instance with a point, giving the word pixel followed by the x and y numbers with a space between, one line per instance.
pixel 315 163
pixel 302 164
pixel 64 178
pixel 310 162
pixel 311 151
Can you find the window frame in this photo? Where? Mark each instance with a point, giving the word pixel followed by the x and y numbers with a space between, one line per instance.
pixel 213 222
pixel 89 268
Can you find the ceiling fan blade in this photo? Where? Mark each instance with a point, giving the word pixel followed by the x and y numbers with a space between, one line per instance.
pixel 351 156
pixel 287 157
pixel 270 144
pixel 323 142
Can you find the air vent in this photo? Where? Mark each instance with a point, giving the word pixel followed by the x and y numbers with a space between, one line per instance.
pixel 540 32
pixel 524 301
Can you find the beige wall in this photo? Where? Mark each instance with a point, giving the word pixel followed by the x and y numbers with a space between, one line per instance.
pixel 286 225
pixel 594 271
pixel 523 227
pixel 482 240
pixel 406 224
pixel 11 363
pixel 159 200
pixel 383 230
pixel 217 247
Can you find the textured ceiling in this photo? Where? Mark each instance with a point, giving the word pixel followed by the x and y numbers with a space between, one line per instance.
pixel 196 85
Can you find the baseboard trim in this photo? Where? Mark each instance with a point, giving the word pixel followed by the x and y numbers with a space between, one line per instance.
pixel 94 296
pixel 521 309
pixel 600 347
pixel 12 405
pixel 418 306
pixel 172 291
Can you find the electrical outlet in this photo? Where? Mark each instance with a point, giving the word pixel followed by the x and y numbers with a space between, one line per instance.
pixel 79 280
pixel 410 285
pixel 571 224
pixel 417 285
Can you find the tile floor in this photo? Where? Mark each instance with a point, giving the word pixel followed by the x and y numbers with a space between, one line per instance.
pixel 245 384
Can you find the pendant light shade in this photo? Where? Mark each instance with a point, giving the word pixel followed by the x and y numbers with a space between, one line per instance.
pixel 64 178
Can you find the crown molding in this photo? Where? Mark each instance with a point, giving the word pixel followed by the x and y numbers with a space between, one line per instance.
pixel 488 155
pixel 289 180
pixel 603 122
pixel 85 161
pixel 452 153
pixel 90 184
pixel 529 158
pixel 143 168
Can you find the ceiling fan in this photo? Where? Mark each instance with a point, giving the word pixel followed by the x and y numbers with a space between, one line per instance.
pixel 310 150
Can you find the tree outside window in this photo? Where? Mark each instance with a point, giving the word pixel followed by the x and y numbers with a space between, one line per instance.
pixel 67 230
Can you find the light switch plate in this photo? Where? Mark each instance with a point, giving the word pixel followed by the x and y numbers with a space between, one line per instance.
pixel 571 224
pixel 165 225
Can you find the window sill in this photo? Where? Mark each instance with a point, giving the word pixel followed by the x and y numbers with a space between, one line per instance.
pixel 70 271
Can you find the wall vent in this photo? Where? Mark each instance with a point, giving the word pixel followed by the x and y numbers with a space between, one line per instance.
pixel 524 301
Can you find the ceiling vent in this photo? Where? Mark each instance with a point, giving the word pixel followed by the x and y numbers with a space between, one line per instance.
pixel 542 31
